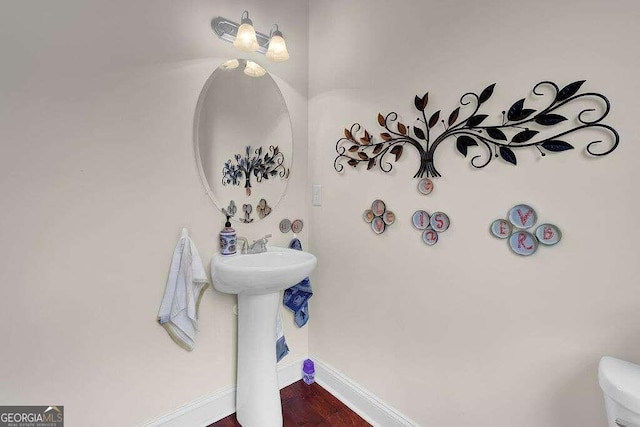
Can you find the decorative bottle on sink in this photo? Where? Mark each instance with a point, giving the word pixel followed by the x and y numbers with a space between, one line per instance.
pixel 227 238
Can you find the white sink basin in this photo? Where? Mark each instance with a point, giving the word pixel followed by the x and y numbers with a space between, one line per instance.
pixel 257 279
pixel 271 271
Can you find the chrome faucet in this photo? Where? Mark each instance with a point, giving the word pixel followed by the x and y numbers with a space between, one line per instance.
pixel 245 244
pixel 258 246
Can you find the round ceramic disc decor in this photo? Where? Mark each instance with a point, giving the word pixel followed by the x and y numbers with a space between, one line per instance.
pixel 522 216
pixel 523 243
pixel 548 234
pixel 378 216
pixel 377 225
pixel 378 207
pixel 285 226
pixel 501 228
pixel 425 186
pixel 439 222
pixel 297 225
pixel 389 217
pixel 430 237
pixel 420 219
pixel 368 216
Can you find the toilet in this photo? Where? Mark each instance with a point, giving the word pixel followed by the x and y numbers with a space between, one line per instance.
pixel 620 383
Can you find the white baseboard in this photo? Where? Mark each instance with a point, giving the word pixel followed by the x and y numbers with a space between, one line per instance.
pixel 209 409
pixel 212 408
pixel 363 403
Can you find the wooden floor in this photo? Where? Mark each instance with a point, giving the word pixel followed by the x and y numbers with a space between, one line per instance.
pixel 306 406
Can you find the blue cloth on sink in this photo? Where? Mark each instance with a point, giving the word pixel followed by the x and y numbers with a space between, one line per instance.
pixel 282 349
pixel 281 343
pixel 296 298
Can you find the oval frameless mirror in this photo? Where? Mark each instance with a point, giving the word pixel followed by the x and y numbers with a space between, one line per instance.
pixel 243 140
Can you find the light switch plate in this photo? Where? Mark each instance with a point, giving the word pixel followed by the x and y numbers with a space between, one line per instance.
pixel 316 195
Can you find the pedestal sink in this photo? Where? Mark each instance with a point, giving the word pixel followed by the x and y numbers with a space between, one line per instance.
pixel 257 279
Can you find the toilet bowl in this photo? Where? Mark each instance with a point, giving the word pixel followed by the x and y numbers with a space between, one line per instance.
pixel 620 383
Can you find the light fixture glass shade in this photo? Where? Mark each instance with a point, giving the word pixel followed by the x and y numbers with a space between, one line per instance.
pixel 246 37
pixel 231 64
pixel 277 48
pixel 254 70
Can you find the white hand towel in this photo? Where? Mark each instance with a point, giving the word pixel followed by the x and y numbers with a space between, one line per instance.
pixel 186 283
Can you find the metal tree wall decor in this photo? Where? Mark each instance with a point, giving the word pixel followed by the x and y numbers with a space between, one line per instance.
pixel 260 165
pixel 521 128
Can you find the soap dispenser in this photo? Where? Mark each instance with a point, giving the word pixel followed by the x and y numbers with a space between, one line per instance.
pixel 227 237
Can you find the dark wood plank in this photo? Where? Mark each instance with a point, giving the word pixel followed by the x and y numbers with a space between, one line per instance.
pixel 308 406
pixel 229 421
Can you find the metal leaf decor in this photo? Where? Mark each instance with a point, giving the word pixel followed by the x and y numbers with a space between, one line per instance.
pixel 521 128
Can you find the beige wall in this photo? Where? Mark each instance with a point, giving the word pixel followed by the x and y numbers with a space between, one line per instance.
pixel 466 333
pixel 98 178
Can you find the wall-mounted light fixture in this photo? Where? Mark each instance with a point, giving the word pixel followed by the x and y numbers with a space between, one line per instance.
pixel 246 35
pixel 277 47
pixel 246 38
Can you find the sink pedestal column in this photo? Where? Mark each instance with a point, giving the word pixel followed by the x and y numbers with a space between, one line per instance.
pixel 258 395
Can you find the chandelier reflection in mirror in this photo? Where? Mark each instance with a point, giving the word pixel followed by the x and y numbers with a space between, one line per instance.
pixel 542 129
pixel 261 165
pixel 251 68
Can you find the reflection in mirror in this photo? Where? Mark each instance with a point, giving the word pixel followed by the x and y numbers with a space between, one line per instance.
pixel 254 164
pixel 243 139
